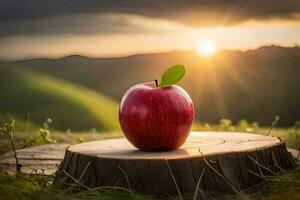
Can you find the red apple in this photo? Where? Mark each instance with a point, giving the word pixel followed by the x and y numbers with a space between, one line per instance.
pixel 156 118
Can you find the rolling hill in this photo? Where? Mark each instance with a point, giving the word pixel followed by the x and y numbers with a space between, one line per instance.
pixel 69 105
pixel 255 85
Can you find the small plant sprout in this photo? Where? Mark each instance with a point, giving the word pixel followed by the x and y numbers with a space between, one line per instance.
pixel 81 140
pixel 243 125
pixel 44 135
pixel 274 124
pixel 226 124
pixel 8 130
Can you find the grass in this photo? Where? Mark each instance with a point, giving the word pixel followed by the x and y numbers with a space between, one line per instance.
pixel 290 135
pixel 103 109
pixel 37 187
pixel 28 93
pixel 283 186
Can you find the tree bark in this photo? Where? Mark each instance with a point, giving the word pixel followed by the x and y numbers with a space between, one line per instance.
pixel 225 161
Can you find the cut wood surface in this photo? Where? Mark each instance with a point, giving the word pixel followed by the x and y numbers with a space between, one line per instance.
pixel 42 159
pixel 217 161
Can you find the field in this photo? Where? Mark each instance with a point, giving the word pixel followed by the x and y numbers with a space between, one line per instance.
pixel 56 95
pixel 78 104
pixel 82 93
pixel 34 96
pixel 39 187
pixel 250 79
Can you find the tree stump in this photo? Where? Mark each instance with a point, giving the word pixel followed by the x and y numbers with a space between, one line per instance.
pixel 211 161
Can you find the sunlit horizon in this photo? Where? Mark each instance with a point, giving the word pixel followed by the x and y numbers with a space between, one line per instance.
pixel 140 35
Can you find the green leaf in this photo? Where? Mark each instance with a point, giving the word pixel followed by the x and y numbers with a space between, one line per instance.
pixel 172 76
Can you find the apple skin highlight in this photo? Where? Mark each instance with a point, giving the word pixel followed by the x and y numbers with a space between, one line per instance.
pixel 156 119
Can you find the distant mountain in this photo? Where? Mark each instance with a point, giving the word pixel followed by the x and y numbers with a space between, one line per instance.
pixel 255 85
pixel 70 106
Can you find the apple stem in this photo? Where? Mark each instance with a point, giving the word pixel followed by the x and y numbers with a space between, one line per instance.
pixel 156 83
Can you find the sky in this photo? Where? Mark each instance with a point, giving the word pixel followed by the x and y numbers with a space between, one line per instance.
pixel 112 28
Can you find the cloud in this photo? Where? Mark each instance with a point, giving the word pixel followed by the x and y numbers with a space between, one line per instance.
pixel 75 24
pixel 111 16
pixel 179 10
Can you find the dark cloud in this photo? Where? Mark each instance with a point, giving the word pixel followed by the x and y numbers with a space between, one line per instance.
pixel 61 16
pixel 174 9
pixel 73 24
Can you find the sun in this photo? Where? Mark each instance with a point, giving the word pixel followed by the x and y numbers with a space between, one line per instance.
pixel 207 48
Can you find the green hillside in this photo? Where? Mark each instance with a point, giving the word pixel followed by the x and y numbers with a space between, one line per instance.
pixel 255 85
pixel 70 106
